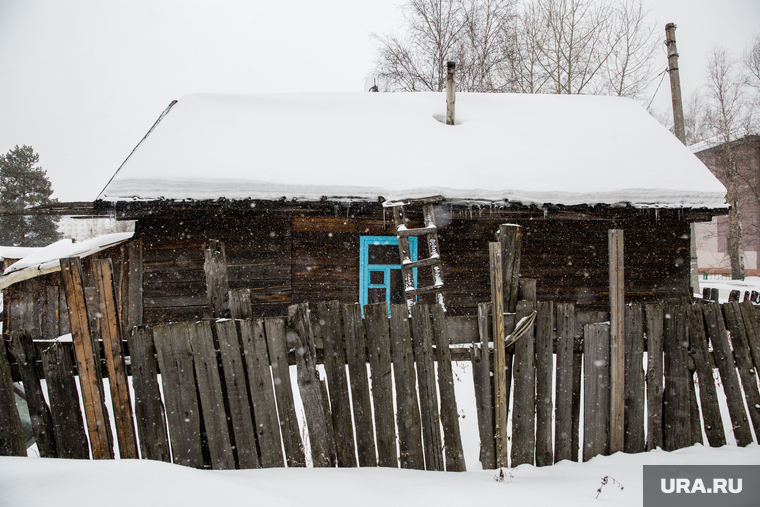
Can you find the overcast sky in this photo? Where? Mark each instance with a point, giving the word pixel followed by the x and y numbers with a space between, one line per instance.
pixel 82 81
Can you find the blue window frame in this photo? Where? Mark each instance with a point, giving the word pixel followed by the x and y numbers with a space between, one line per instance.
pixel 380 270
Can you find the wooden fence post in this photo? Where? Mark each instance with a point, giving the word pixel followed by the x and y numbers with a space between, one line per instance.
pixel 617 340
pixel 11 434
pixel 510 239
pixel 563 404
pixel 544 382
pixel 217 284
pixel 501 393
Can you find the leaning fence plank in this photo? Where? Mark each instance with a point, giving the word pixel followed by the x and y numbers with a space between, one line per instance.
pixel 452 439
pixel 523 408
pixel 89 373
pixel 742 354
pixel 724 360
pixel 654 376
pixel 564 383
pixel 22 348
pixel 11 434
pixel 149 409
pixel 544 383
pixel 175 361
pixel 71 440
pixel 357 367
pixel 262 393
pixel 596 389
pixel 337 382
pixel 408 412
pixel 707 392
pixel 237 394
pixel 676 412
pixel 278 357
pixel 634 440
pixel 423 355
pixel 696 423
pixel 751 324
pixel 480 357
pixel 379 349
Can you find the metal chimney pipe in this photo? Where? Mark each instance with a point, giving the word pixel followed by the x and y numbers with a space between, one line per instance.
pixel 450 92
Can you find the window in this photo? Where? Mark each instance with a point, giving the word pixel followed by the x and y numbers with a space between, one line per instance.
pixel 380 270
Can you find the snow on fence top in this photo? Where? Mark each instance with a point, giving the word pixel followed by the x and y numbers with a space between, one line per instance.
pixel 525 148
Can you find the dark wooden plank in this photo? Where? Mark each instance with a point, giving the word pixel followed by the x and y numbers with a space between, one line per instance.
pixel 175 361
pixel 408 412
pixel 267 426
pixel 696 423
pixel 510 237
pixel 379 349
pixel 617 346
pixel 452 439
pixel 210 395
pixel 110 332
pixel 524 404
pixel 357 369
pixel 634 379
pixel 337 382
pixel 217 282
pixel 724 359
pixel 563 408
pixel 707 391
pixel 596 390
pixel 64 326
pixel 752 326
pixel 422 336
pixel 743 357
pixel 654 375
pixel 53 310
pixel 575 430
pixel 502 376
pixel 22 348
pixel 71 440
pixel 240 304
pixel 237 394
pixel 90 381
pixel 676 412
pixel 544 383
pixel 480 357
pixel 322 445
pixel 11 434
pixel 278 357
pixel 149 408
pixel 134 288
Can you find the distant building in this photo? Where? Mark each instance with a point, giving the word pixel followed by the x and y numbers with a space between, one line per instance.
pixel 80 229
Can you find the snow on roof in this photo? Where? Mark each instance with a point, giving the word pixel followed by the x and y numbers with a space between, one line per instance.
pixel 525 148
pixel 16 252
pixel 47 259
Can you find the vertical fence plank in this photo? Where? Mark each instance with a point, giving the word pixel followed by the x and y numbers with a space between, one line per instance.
pixel 564 382
pixel 278 357
pixel 217 283
pixel 149 409
pixel 240 304
pixel 134 289
pixel 11 434
pixel 452 439
pixel 408 417
pixel 523 409
pixel 178 380
pixel 71 440
pixel 696 423
pixel 501 377
pixel 337 382
pixel 544 383
pixel 596 389
pixel 357 368
pixel 53 310
pixel 676 412
pixel 576 411
pixel 634 379
pixel 510 238
pixel 423 355
pixel 262 393
pixel 654 376
pixel 87 365
pixel 379 348
pixel 237 394
pixel 480 357
pixel 743 356
pixel 752 326
pixel 617 338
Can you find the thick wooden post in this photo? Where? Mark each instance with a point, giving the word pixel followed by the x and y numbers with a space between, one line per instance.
pixel 510 238
pixel 89 374
pixel 499 356
pixel 217 284
pixel 617 340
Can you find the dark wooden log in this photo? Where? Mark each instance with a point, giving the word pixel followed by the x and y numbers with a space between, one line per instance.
pixel 134 289
pixel 734 296
pixel 654 376
pixel 523 409
pixel 117 369
pixel 267 426
pixel 337 382
pixel 22 348
pixel 452 440
pixel 617 337
pixel 544 383
pixel 634 379
pixel 480 357
pixel 90 380
pixel 357 368
pixel 53 311
pixel 743 357
pixel 217 282
pixel 237 394
pixel 379 348
pixel 676 413
pixel 322 444
pixel 278 357
pixel 563 409
pixel 707 392
pixel 422 336
pixel 724 359
pixel 501 375
pixel 408 412
pixel 175 361
pixel 752 326
pixel 71 440
pixel 596 390
pixel 11 434
pixel 149 408
pixel 240 304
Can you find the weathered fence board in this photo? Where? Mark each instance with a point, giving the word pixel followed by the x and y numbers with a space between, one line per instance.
pixel 544 383
pixel 501 365
pixel 11 434
pixel 654 376
pixel 676 412
pixel 752 325
pixel 217 282
pixel 240 304
pixel 617 332
pixel 575 430
pixel 53 311
pixel 563 409
pixel 743 356
pixel 634 379
pixel 523 408
pixel 596 390
pixel 480 357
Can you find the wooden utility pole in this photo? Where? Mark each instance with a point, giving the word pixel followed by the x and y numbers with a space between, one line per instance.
pixel 675 82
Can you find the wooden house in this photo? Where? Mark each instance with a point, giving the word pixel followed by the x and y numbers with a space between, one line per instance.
pixel 295 187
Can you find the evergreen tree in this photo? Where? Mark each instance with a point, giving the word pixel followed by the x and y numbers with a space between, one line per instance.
pixel 23 186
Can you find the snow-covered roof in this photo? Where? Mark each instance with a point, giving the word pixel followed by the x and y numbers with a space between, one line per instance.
pixel 45 260
pixel 524 148
pixel 16 252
